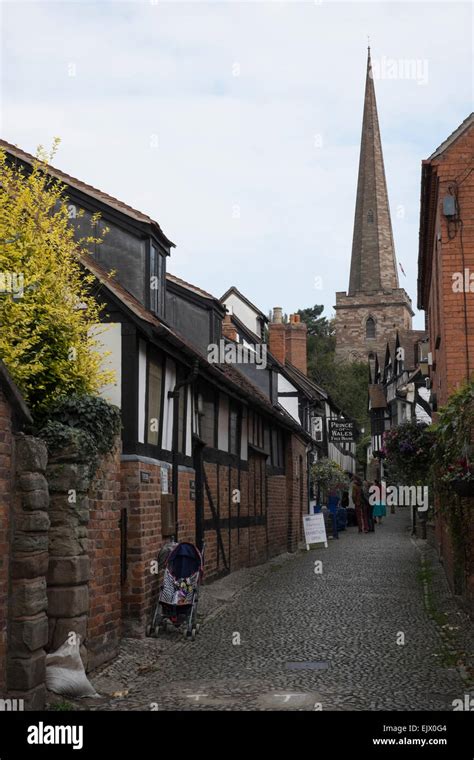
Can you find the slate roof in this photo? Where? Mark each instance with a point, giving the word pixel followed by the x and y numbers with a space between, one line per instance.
pixel 93 192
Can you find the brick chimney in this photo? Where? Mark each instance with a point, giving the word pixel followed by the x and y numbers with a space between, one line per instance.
pixel 228 329
pixel 287 342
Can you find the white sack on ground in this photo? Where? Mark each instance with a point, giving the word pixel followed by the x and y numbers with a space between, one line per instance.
pixel 65 672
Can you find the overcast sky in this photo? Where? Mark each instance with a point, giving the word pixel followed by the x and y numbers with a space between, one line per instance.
pixel 237 125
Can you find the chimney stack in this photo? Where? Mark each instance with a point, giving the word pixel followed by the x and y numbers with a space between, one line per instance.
pixel 228 329
pixel 287 342
pixel 277 315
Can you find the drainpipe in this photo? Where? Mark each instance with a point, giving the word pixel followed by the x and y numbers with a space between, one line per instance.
pixel 309 449
pixel 174 394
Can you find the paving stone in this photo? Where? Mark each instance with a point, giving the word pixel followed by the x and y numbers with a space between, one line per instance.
pixel 348 617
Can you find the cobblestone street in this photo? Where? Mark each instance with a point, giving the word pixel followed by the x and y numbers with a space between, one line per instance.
pixel 307 641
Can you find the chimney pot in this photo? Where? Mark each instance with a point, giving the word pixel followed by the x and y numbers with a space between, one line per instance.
pixel 278 315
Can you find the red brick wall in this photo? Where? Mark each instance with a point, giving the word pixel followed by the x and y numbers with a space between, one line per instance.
pixel 105 602
pixel 143 543
pixel 296 490
pixel 282 499
pixel 289 342
pixel 448 315
pixel 186 507
pixel 6 465
pixel 277 515
pixel 458 559
pixel 447 310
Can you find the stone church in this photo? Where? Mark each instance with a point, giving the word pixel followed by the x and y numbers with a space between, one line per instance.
pixel 375 307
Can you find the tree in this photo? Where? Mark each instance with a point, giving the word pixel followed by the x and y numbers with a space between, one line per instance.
pixel 346 382
pixel 47 314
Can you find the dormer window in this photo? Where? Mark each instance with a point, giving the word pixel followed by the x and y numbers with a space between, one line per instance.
pixel 157 281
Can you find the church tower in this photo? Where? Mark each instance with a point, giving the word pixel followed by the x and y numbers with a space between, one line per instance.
pixel 375 307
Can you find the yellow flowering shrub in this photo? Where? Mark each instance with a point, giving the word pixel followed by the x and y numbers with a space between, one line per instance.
pixel 46 310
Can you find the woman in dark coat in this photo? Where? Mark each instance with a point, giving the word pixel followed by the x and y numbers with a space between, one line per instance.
pixel 357 498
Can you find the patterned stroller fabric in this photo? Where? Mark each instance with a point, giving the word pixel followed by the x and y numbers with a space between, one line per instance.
pixel 182 575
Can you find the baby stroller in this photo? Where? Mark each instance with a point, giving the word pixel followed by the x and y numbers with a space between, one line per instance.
pixel 179 592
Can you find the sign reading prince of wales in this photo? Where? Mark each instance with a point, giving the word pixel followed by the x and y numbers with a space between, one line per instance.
pixel 341 431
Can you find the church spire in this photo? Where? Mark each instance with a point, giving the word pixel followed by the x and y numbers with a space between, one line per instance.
pixel 373 263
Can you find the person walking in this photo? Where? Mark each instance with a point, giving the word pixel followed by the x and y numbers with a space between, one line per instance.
pixel 367 506
pixel 333 504
pixel 357 498
pixel 379 510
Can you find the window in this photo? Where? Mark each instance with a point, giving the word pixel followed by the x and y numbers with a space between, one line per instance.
pixel 208 418
pixel 278 448
pixel 154 399
pixel 255 430
pixel 370 216
pixel 370 328
pixel 234 429
pixel 157 281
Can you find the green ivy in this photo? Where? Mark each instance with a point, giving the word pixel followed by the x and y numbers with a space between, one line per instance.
pixel 88 421
pixel 454 429
pixel 59 437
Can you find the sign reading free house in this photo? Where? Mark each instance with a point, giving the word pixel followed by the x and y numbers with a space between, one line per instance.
pixel 341 431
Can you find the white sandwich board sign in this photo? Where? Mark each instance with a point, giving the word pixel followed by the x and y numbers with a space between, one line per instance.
pixel 315 530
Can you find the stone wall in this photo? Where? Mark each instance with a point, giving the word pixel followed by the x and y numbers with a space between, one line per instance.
pixel 391 311
pixel 68 475
pixel 27 605
pixel 6 491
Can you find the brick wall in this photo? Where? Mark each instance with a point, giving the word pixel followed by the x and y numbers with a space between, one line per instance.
pixel 143 540
pixel 449 311
pixel 450 322
pixel 6 465
pixel 186 506
pixel 457 556
pixel 288 342
pixel 269 518
pixel 105 595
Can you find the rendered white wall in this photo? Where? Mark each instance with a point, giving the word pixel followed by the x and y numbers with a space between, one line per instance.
pixel 109 340
pixel 290 403
pixel 243 312
pixel 170 382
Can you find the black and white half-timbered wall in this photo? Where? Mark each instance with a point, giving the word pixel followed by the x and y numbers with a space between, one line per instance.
pixel 213 451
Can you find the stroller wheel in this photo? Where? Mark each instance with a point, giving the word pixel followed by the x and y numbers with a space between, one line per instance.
pixel 198 626
pixel 193 634
pixel 149 630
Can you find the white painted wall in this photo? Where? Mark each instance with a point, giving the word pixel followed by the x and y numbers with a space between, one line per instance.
pixel 243 312
pixel 189 417
pixel 290 403
pixel 170 382
pixel 141 390
pixel 109 340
